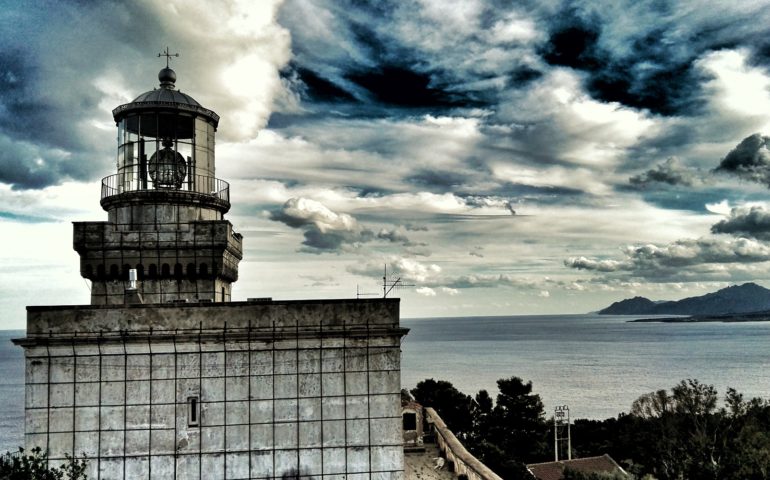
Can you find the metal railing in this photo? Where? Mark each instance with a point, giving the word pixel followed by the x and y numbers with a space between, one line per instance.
pixel 200 184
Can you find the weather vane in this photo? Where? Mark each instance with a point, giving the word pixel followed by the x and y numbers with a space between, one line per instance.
pixel 167 55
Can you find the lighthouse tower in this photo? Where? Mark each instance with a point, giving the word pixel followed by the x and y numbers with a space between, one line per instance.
pixel 165 208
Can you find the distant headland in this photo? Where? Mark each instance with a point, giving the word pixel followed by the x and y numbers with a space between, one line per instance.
pixel 738 303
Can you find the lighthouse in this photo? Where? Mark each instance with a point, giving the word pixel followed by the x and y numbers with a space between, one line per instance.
pixel 165 207
pixel 162 375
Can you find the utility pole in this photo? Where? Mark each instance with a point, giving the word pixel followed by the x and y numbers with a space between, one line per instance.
pixel 560 421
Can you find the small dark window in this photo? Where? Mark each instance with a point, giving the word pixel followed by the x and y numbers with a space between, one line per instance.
pixel 410 421
pixel 165 270
pixel 204 269
pixel 191 270
pixel 193 411
pixel 114 271
pixel 153 271
pixel 178 270
pixel 223 294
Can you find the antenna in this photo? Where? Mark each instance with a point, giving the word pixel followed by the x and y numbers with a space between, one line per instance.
pixel 360 294
pixel 560 421
pixel 388 284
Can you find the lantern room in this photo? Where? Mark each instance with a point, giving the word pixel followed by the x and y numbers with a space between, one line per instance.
pixel 165 142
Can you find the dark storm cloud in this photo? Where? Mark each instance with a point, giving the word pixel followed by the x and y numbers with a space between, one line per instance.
pixel 434 180
pixel 49 59
pixel 25 165
pixel 319 89
pixel 645 77
pixel 751 222
pixel 642 54
pixel 401 86
pixel 574 44
pixel 750 160
pixel 670 172
pixel 328 231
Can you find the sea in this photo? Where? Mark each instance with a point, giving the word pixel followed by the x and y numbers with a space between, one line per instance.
pixel 597 365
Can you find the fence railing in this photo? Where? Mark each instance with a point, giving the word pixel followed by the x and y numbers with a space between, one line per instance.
pixel 464 463
pixel 201 184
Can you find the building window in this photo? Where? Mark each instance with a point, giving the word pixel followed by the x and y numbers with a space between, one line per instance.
pixel 193 412
pixel 410 421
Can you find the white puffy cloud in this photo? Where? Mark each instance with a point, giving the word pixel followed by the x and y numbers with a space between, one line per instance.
pixel 326 230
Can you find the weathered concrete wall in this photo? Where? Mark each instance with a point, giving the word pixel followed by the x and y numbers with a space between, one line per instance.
pixel 307 389
pixel 174 261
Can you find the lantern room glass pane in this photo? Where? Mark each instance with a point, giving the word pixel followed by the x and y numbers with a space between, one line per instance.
pixel 204 148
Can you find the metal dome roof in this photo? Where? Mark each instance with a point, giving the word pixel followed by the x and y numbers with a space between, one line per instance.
pixel 166 95
pixel 165 98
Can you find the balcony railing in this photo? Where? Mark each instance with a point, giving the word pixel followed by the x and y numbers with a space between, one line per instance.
pixel 200 184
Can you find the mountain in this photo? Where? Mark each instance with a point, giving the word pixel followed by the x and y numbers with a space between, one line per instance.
pixel 630 306
pixel 745 298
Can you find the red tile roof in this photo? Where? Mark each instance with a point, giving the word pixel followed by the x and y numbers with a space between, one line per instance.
pixel 555 470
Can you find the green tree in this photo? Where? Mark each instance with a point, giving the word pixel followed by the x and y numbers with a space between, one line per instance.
pixel 454 407
pixel 34 466
pixel 518 421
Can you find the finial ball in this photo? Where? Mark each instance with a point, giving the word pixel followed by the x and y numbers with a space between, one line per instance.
pixel 167 77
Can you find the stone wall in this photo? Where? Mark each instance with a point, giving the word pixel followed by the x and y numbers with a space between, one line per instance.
pixel 462 462
pixel 240 390
pixel 194 260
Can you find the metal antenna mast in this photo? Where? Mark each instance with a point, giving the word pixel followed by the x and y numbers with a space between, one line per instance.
pixel 360 294
pixel 388 284
pixel 561 423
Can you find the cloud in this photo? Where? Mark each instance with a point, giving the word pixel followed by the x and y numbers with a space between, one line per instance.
pixel 409 270
pixel 426 291
pixel 749 160
pixel 670 172
pixel 57 86
pixel 750 221
pixel 583 263
pixel 680 258
pixel 326 230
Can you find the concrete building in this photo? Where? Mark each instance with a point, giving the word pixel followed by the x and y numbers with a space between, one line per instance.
pixel 162 376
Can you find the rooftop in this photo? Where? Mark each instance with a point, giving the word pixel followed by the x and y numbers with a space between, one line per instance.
pixel 555 470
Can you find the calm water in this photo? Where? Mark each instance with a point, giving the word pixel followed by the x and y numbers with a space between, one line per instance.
pixel 595 364
pixel 11 391
pixel 598 365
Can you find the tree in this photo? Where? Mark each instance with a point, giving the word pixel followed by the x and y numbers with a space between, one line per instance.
pixel 518 421
pixel 453 406
pixel 34 466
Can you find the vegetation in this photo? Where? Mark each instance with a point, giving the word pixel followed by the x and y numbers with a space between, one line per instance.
pixel 34 466
pixel 669 435
pixel 503 434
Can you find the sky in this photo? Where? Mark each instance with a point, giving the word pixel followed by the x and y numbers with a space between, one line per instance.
pixel 500 158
